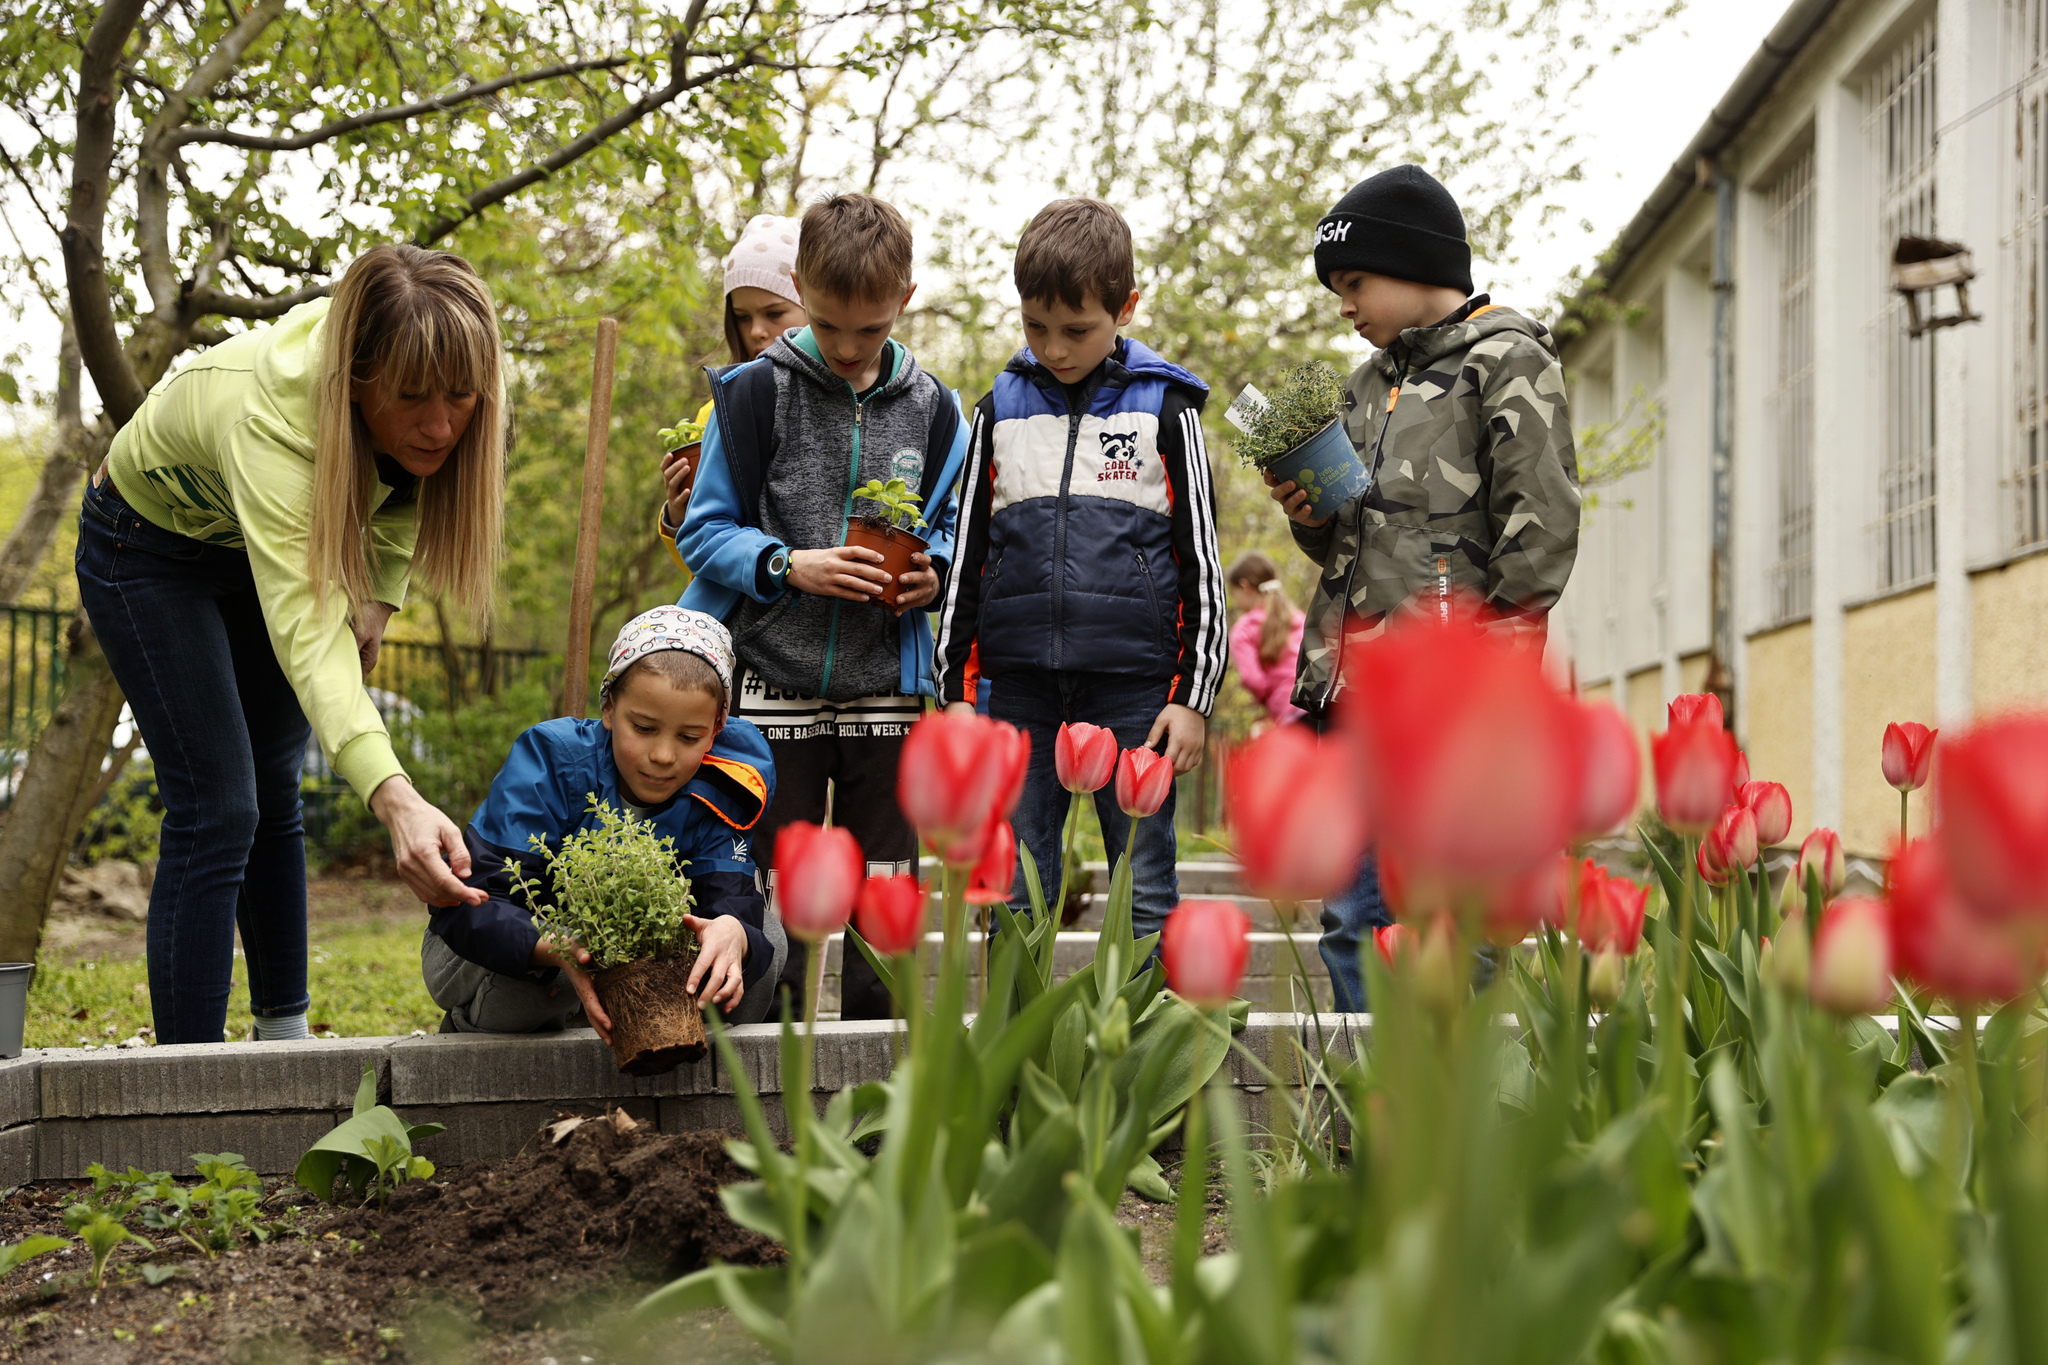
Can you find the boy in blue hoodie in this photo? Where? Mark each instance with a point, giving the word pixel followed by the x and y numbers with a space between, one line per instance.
pixel 1087 583
pixel 664 751
pixel 833 678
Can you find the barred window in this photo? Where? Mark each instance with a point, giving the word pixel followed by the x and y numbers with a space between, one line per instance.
pixel 2027 469
pixel 1790 539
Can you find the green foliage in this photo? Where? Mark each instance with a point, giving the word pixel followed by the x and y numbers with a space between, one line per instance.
pixel 218 1212
pixel 101 1235
pixel 898 503
pixel 14 1255
pixel 618 890
pixel 681 434
pixel 1308 399
pixel 370 1155
pixel 125 823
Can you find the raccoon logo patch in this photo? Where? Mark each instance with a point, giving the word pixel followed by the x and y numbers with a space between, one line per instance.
pixel 1120 458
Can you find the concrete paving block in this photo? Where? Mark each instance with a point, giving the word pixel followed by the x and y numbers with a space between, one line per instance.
pixel 854 1052
pixel 17 1155
pixel 1264 917
pixel 21 1096
pixel 699 1113
pixel 209 1078
pixel 572 1065
pixel 492 1132
pixel 270 1143
pixel 758 1046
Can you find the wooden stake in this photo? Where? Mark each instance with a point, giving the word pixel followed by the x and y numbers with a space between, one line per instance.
pixel 576 669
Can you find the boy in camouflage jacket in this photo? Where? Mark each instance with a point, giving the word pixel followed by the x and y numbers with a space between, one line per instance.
pixel 1461 419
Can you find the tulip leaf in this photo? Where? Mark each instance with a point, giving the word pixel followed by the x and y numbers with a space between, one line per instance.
pixel 884 968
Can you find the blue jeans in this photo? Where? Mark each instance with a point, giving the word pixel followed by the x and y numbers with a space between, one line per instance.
pixel 1348 921
pixel 181 627
pixel 1038 703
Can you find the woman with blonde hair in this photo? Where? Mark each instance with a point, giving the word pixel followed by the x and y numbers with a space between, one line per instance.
pixel 1266 640
pixel 240 552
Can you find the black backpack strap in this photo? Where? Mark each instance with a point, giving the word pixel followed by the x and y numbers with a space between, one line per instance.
pixel 743 397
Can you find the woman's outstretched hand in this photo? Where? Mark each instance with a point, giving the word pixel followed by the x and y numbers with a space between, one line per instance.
pixel 426 845
pixel 574 960
pixel 368 628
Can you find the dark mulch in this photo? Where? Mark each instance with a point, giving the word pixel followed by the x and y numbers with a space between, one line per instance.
pixel 523 1259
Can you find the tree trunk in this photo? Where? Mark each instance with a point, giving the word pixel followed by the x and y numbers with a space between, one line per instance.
pixel 55 795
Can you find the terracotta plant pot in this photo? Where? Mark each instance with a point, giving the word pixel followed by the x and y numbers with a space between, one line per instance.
pixel 894 544
pixel 690 454
pixel 657 1024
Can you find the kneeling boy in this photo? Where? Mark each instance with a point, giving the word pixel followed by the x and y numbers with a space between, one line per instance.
pixel 663 751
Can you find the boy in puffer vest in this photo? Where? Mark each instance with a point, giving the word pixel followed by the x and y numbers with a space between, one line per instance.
pixel 1460 418
pixel 1088 585
pixel 831 677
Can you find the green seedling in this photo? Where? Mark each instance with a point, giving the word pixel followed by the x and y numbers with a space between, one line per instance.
pixel 216 1213
pixel 101 1234
pixel 898 503
pixel 154 1275
pixel 680 435
pixel 17 1254
pixel 371 1154
pixel 1306 401
pixel 618 891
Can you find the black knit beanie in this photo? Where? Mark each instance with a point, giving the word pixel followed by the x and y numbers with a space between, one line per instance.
pixel 1402 223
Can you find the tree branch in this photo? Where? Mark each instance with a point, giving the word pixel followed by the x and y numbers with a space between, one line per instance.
pixel 327 132
pixel 213 303
pixel 83 238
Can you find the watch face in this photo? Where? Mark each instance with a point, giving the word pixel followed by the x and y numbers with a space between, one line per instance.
pixel 778 564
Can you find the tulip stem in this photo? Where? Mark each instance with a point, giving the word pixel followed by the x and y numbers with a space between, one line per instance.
pixel 1059 907
pixel 1966 1020
pixel 1904 798
pixel 1685 898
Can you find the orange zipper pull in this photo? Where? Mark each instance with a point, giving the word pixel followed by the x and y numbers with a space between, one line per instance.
pixel 1393 397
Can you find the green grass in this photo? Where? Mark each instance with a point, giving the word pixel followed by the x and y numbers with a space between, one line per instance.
pixel 364 979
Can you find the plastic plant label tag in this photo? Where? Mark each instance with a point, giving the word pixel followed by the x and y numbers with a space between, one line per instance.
pixel 1248 404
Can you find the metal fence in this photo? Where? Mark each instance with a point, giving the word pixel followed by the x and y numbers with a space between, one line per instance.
pixel 35 671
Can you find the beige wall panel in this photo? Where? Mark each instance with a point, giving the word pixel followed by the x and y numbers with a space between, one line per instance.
pixel 1645 710
pixel 2011 654
pixel 1602 691
pixel 1887 675
pixel 1692 675
pixel 1778 716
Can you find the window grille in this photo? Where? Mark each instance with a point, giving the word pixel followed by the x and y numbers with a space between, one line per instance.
pixel 1900 125
pixel 1790 231
pixel 2027 470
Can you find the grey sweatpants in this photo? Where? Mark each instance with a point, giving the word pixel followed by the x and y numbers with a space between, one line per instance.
pixel 479 1000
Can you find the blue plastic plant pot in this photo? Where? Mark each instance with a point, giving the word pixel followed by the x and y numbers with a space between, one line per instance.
pixel 1325 466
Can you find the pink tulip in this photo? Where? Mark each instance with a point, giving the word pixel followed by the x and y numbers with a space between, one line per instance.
pixel 1614 770
pixel 1908 754
pixel 1394 942
pixel 1143 778
pixel 1695 706
pixel 1084 756
pixel 1772 806
pixel 1298 812
pixel 1734 839
pixel 1713 871
pixel 1944 945
pixel 1852 958
pixel 1695 761
pixel 1473 763
pixel 1991 810
pixel 890 914
pixel 818 873
pixel 990 882
pixel 1205 947
pixel 1741 778
pixel 957 776
pixel 1822 851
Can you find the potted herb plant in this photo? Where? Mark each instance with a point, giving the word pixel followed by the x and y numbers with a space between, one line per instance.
pixel 684 441
pixel 619 892
pixel 1299 434
pixel 889 534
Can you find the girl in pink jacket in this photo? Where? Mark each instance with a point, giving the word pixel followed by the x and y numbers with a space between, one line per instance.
pixel 1266 640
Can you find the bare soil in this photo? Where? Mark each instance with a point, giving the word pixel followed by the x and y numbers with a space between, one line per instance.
pixel 77 933
pixel 530 1259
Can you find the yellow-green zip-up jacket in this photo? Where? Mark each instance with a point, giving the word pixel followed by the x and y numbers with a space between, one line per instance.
pixel 222 451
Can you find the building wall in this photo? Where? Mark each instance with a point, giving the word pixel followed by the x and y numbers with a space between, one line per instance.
pixel 1887 675
pixel 1778 693
pixel 2011 634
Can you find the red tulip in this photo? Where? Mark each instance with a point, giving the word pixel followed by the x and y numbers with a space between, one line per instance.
pixel 1610 910
pixel 956 777
pixel 1733 838
pixel 1394 942
pixel 1084 756
pixel 990 882
pixel 1473 762
pixel 1205 946
pixel 1630 903
pixel 1741 778
pixel 1143 778
pixel 1614 770
pixel 1941 943
pixel 890 914
pixel 818 872
pixel 1695 706
pixel 1695 772
pixel 1822 851
pixel 1908 754
pixel 1852 957
pixel 1298 812
pixel 1522 906
pixel 1991 808
pixel 1772 806
pixel 1713 871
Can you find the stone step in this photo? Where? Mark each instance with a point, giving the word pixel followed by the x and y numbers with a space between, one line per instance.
pixel 1203 877
pixel 1263 916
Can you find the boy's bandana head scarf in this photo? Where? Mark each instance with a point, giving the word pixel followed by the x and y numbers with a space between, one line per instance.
pixel 650 632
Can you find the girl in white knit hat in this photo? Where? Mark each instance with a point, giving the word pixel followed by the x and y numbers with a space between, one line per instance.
pixel 760 305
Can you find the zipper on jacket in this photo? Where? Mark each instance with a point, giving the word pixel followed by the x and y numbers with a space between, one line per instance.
pixel 1151 596
pixel 1059 536
pixel 845 520
pixel 1372 481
